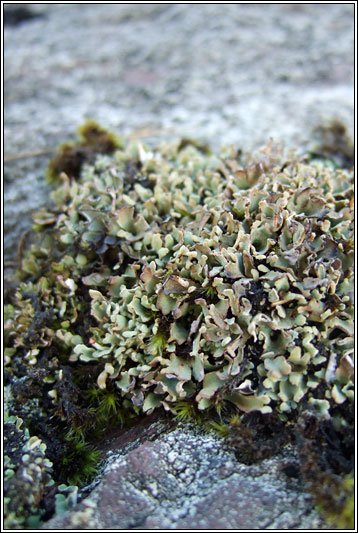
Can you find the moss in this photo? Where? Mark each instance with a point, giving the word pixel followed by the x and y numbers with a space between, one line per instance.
pixel 327 466
pixel 217 287
pixel 79 461
pixel 345 518
pixel 71 156
pixel 186 411
pixel 333 145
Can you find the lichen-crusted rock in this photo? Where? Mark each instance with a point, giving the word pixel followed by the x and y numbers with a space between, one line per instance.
pixel 27 476
pixel 30 491
pixel 186 480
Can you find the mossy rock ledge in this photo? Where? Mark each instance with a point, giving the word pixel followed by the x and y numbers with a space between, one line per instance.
pixel 211 290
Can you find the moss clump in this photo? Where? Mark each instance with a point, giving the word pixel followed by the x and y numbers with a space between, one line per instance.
pixel 78 462
pixel 343 517
pixel 327 466
pixel 333 145
pixel 178 279
pixel 70 157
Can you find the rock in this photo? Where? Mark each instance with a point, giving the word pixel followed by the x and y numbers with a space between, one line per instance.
pixel 186 479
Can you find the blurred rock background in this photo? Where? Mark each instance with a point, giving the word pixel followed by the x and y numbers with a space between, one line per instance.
pixel 220 73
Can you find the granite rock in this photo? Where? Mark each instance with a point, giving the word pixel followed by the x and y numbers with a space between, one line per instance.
pixel 184 478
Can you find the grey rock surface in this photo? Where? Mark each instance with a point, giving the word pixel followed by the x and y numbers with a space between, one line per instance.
pixel 222 73
pixel 185 479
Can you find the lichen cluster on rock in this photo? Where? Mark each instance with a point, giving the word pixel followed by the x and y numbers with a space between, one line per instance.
pixel 170 275
pixel 26 477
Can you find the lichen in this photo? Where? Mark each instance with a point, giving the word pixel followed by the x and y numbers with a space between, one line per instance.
pixel 173 275
pixel 27 477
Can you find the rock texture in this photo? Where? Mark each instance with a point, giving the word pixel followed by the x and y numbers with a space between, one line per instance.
pixel 185 479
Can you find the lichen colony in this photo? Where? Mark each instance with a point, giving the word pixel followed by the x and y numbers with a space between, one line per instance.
pixel 173 274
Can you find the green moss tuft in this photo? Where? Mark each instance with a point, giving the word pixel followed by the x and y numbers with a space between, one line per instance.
pixel 186 411
pixel 79 461
pixel 343 517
